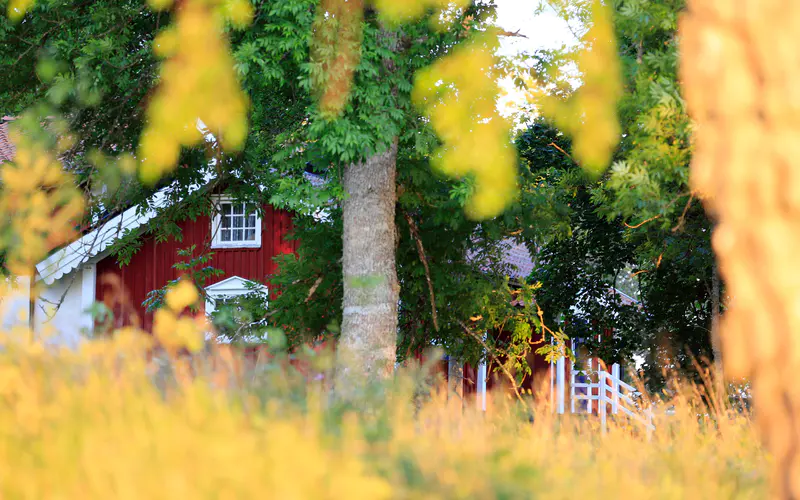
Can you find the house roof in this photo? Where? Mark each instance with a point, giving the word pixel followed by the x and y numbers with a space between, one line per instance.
pixel 519 260
pixel 7 148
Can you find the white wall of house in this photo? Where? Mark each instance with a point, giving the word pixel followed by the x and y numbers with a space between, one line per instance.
pixel 61 314
pixel 15 303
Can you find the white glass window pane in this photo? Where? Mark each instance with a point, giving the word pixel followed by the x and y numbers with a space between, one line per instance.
pixel 226 208
pixel 238 222
pixel 250 234
pixel 226 221
pixel 238 209
pixel 225 235
pixel 237 235
pixel 251 220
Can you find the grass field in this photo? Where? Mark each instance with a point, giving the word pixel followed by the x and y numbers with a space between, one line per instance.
pixel 103 423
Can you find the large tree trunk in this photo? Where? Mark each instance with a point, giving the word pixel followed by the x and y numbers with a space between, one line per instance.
pixel 741 73
pixel 368 342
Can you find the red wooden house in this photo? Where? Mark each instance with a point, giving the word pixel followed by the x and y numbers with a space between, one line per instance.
pixel 243 239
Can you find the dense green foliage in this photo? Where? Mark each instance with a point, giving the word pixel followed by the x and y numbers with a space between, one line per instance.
pixel 640 228
pixel 89 67
pixel 470 295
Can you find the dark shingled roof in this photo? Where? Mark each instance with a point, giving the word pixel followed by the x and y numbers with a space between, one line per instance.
pixel 518 258
pixel 7 148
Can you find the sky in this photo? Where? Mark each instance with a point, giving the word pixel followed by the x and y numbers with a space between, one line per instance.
pixel 541 31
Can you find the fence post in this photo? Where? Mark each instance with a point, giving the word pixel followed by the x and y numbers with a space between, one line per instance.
pixel 552 385
pixel 589 388
pixel 571 386
pixel 560 384
pixel 615 388
pixel 601 398
pixel 482 385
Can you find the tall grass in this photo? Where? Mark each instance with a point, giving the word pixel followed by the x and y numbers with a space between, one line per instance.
pixel 103 422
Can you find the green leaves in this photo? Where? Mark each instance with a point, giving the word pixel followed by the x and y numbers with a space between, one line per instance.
pixel 640 224
pixel 194 267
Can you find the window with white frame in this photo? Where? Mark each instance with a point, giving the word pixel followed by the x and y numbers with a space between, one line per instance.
pixel 235 225
pixel 228 294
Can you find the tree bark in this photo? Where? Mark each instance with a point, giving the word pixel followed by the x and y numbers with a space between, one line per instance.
pixel 368 342
pixel 741 78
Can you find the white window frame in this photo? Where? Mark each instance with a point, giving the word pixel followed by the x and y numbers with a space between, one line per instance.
pixel 229 288
pixel 216 227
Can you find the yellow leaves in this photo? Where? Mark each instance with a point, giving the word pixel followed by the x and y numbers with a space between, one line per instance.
pixel 198 84
pixel 159 5
pixel 18 8
pixel 44 202
pixel 400 11
pixel 166 43
pixel 238 12
pixel 173 330
pixel 458 93
pixel 336 50
pixel 590 116
pixel 181 296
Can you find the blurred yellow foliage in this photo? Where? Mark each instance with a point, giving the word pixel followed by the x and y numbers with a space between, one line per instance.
pixel 18 8
pixel 42 204
pixel 590 115
pixel 102 422
pixel 336 50
pixel 740 80
pixel 174 331
pixel 400 11
pixel 198 84
pixel 459 94
pixel 181 296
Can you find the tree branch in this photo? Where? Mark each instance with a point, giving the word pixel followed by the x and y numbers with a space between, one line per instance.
pixel 412 227
pixel 495 359
pixel 636 226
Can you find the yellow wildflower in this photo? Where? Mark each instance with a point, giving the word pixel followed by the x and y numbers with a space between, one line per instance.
pixel 181 296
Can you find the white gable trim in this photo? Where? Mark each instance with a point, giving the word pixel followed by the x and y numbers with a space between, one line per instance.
pixel 79 252
pixel 231 287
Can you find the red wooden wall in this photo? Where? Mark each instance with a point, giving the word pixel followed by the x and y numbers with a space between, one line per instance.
pixel 537 380
pixel 123 289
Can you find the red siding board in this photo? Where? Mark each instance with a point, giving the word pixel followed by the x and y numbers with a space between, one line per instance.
pixel 151 267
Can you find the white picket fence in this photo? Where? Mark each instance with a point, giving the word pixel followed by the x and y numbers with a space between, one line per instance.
pixel 601 388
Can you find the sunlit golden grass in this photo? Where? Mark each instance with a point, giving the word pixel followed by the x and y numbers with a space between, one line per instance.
pixel 104 423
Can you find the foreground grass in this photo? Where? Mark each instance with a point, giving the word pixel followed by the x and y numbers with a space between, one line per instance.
pixel 94 424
